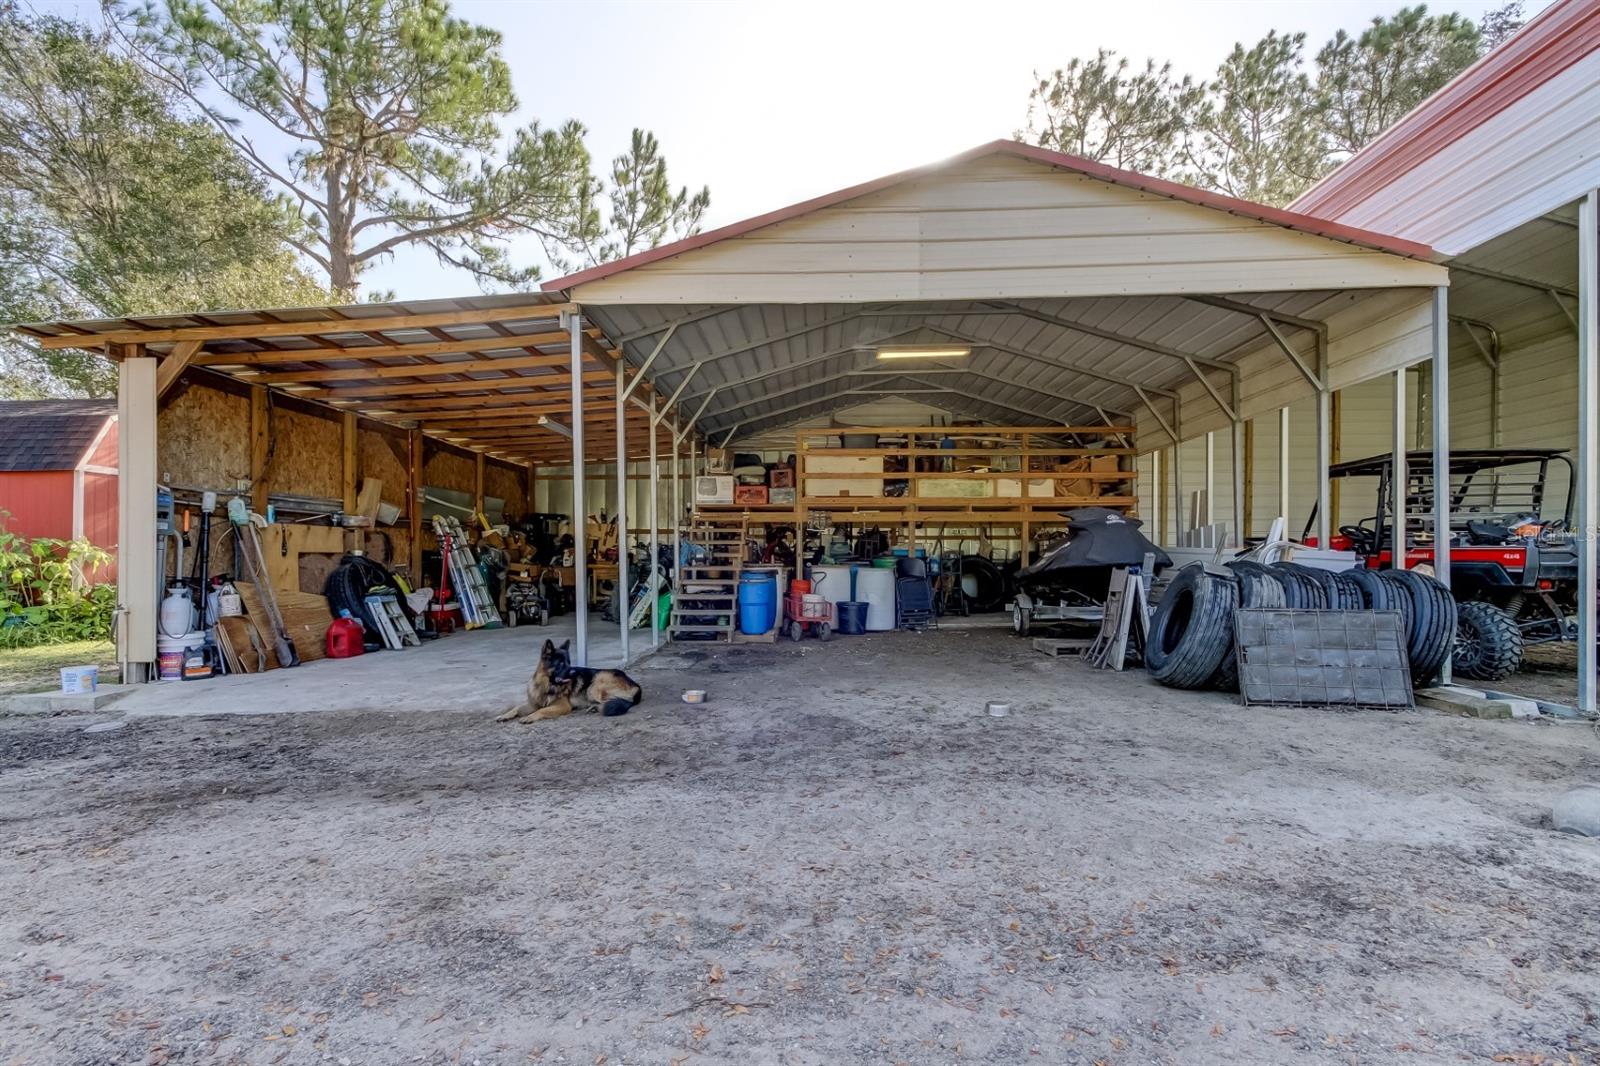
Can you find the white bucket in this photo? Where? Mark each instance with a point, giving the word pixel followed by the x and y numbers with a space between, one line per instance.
pixel 79 680
pixel 170 653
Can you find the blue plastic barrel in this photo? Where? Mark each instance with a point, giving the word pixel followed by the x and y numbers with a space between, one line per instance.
pixel 852 616
pixel 758 601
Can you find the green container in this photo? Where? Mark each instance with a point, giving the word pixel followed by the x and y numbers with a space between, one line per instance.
pixel 884 562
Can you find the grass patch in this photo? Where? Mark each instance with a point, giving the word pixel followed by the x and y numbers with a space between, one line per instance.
pixel 38 669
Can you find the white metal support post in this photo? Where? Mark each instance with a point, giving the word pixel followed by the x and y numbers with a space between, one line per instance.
pixel 1238 484
pixel 135 623
pixel 1177 474
pixel 580 542
pixel 1211 478
pixel 655 529
pixel 1398 476
pixel 1441 446
pixel 1325 522
pixel 1238 467
pixel 624 604
pixel 1588 440
pixel 1157 523
pixel 1283 468
pixel 677 509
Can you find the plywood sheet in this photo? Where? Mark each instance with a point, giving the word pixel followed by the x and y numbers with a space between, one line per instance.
pixel 305 616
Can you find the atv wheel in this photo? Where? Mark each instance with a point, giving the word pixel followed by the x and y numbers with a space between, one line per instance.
pixel 1488 643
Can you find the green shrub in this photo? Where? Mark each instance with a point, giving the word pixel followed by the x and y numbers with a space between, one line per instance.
pixel 43 598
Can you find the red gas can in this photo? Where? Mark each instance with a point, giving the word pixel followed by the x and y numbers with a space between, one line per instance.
pixel 345 638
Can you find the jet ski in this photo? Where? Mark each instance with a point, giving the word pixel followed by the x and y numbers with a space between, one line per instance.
pixel 1069 582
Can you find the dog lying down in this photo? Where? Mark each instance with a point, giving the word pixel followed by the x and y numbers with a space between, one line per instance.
pixel 558 688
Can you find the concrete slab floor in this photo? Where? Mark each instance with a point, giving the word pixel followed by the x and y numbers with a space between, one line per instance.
pixel 481 670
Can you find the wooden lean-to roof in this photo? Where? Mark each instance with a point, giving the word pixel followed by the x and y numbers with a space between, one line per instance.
pixel 490 373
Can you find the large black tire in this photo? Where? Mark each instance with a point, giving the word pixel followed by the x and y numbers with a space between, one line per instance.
pixel 1192 629
pixel 1344 594
pixel 1259 587
pixel 1488 642
pixel 1430 622
pixel 1376 595
pixel 1301 591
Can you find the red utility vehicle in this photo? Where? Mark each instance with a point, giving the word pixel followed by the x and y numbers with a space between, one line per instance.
pixel 1513 571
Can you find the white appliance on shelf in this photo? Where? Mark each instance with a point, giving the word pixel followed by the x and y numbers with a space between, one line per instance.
pixel 713 488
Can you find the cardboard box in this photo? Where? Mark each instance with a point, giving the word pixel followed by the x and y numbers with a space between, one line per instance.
pixel 718 460
pixel 781 477
pixel 782 496
pixel 750 495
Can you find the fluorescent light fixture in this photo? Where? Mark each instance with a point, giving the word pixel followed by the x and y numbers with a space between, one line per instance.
pixel 922 351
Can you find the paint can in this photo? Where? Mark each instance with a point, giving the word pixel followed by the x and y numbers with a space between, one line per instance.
pixel 172 652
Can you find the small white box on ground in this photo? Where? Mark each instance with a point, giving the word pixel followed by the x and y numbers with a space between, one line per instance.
pixel 79 680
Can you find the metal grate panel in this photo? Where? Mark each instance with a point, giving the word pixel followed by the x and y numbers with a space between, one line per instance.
pixel 1317 658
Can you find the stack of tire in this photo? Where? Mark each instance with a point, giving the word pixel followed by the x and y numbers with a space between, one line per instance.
pixel 1191 641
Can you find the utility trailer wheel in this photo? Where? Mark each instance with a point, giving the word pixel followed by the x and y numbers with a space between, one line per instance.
pixel 1021 620
pixel 796 630
pixel 1488 644
pixel 824 631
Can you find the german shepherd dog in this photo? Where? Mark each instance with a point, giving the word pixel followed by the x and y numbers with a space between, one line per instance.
pixel 558 688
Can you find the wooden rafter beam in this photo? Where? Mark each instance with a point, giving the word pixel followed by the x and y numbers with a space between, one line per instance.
pixel 250 331
pixel 446 405
pixel 274 356
pixel 173 366
pixel 410 370
pixel 353 392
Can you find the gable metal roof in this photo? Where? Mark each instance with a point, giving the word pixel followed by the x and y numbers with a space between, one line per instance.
pixel 1293 220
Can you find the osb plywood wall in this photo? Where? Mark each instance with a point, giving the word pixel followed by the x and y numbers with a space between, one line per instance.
pixel 507 483
pixel 449 469
pixel 204 443
pixel 204 439
pixel 305 454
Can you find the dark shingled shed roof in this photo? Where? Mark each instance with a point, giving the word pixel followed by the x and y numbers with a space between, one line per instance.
pixel 49 434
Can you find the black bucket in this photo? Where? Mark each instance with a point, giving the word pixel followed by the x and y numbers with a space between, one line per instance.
pixel 852 616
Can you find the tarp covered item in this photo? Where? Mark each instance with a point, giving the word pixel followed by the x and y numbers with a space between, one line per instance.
pixel 1098 539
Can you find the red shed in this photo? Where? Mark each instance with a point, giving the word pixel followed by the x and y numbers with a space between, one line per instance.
pixel 58 470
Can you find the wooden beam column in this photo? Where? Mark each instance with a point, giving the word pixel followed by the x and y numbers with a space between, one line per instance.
pixel 477 486
pixel 260 446
pixel 1247 525
pixel 414 442
pixel 350 470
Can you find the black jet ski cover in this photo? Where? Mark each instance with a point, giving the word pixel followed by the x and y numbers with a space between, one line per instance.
pixel 1098 537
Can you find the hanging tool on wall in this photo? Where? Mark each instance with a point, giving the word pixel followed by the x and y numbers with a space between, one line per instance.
pixel 248 541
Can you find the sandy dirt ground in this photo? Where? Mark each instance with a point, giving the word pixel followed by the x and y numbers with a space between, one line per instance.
pixel 839 860
pixel 1549 672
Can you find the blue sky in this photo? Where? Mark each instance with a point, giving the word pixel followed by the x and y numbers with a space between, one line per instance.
pixel 770 103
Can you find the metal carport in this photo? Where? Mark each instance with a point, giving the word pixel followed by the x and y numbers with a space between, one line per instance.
pixel 1083 292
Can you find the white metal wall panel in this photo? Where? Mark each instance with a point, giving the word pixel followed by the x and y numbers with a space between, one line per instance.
pixel 1001 227
pixel 1539 403
pixel 1370 336
pixel 1533 157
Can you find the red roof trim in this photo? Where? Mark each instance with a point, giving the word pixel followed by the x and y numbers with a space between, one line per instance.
pixel 1558 38
pixel 1061 161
